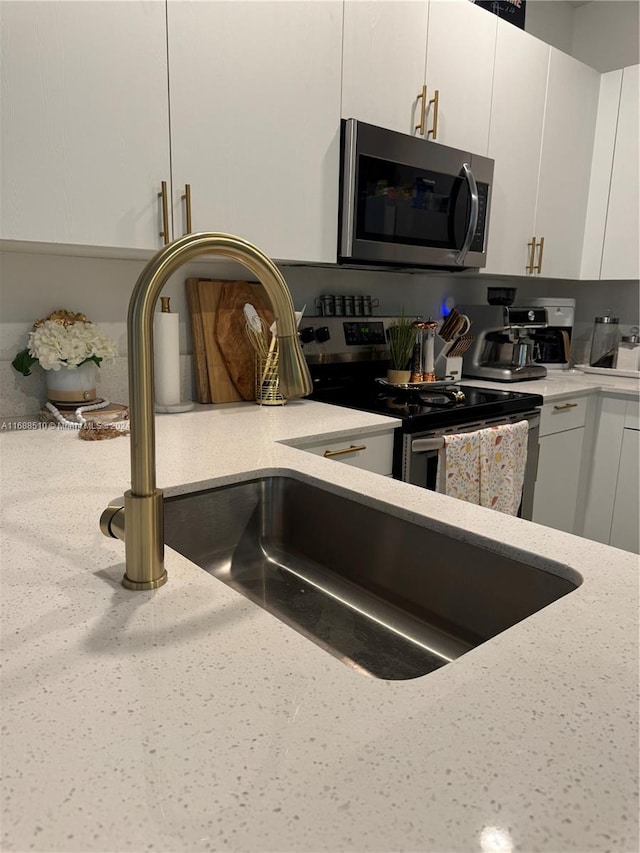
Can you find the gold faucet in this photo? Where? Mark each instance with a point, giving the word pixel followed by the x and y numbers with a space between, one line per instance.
pixel 142 514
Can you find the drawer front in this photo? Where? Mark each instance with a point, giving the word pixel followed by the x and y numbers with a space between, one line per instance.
pixel 568 413
pixel 372 452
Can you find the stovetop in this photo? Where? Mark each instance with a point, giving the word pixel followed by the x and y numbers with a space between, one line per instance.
pixel 347 357
pixel 420 409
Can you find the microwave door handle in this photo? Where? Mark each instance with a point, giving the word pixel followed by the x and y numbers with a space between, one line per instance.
pixel 473 216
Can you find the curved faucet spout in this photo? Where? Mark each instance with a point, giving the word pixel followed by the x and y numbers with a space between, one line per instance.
pixel 144 526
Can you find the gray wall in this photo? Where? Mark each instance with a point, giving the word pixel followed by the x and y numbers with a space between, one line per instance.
pixel 602 33
pixel 32 284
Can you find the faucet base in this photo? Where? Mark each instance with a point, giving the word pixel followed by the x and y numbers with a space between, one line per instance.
pixel 144 541
pixel 129 584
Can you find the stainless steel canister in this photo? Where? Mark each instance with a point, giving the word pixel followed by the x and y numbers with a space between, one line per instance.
pixel 348 306
pixel 339 305
pixel 358 306
pixel 326 304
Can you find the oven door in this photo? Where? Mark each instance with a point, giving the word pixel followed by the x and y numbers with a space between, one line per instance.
pixel 417 459
pixel 412 202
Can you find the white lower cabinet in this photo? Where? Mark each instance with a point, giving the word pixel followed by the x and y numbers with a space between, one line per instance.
pixel 556 499
pixel 369 451
pixel 626 507
pixel 613 504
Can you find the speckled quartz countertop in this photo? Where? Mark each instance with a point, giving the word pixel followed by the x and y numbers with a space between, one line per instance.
pixel 561 383
pixel 190 719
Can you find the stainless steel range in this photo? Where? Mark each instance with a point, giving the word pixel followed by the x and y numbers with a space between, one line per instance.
pixel 348 359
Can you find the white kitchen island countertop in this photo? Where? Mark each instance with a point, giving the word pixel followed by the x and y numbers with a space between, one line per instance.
pixel 190 719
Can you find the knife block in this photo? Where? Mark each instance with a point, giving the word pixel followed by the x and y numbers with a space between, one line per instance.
pixel 453 367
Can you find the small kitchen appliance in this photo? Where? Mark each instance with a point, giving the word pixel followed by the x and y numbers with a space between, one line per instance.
pixel 347 360
pixel 553 343
pixel 410 202
pixel 504 349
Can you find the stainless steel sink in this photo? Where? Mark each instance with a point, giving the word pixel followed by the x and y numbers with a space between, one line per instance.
pixel 382 594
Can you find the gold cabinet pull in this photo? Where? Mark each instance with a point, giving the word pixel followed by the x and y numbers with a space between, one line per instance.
pixel 423 111
pixel 355 448
pixel 532 247
pixel 187 200
pixel 538 266
pixel 165 213
pixel 435 100
pixel 565 406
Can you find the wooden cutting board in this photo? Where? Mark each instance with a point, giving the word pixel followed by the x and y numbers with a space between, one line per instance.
pixel 221 388
pixel 203 394
pixel 230 332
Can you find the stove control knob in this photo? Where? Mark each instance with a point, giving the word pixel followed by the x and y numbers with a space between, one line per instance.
pixel 307 334
pixel 323 335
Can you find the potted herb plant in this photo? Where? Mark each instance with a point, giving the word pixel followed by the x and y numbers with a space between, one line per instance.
pixel 402 337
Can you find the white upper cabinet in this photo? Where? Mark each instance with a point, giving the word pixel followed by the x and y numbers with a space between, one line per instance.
pixel 601 166
pixel 542 129
pixel 423 68
pixel 621 253
pixel 460 54
pixel 515 141
pixel 255 121
pixel 565 165
pixel 383 63
pixel 84 122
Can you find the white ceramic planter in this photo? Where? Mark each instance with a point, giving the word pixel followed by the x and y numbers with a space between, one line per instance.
pixel 398 377
pixel 73 384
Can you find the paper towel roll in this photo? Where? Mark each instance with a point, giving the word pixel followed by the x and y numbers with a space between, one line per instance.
pixel 166 355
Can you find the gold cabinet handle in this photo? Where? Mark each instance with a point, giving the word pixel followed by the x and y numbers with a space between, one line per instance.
pixel 538 266
pixel 423 111
pixel 435 100
pixel 165 213
pixel 355 448
pixel 565 406
pixel 532 247
pixel 187 200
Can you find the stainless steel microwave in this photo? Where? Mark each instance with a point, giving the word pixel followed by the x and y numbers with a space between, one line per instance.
pixel 409 202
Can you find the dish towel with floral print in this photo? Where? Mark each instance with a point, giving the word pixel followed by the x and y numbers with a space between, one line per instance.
pixel 486 467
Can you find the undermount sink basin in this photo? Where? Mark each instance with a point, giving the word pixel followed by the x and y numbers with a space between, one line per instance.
pixel 384 595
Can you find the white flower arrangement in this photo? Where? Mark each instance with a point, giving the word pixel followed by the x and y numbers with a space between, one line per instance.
pixel 64 340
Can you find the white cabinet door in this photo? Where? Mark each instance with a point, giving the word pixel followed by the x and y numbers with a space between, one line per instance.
pixel 565 164
pixel 255 121
pixel 604 468
pixel 460 53
pixel 562 429
pixel 626 507
pixel 84 122
pixel 515 139
pixel 369 451
pixel 383 61
pixel 600 181
pixel 556 493
pixel 621 254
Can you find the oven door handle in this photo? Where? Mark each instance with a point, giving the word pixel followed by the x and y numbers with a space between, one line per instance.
pixel 424 445
pixel 473 215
